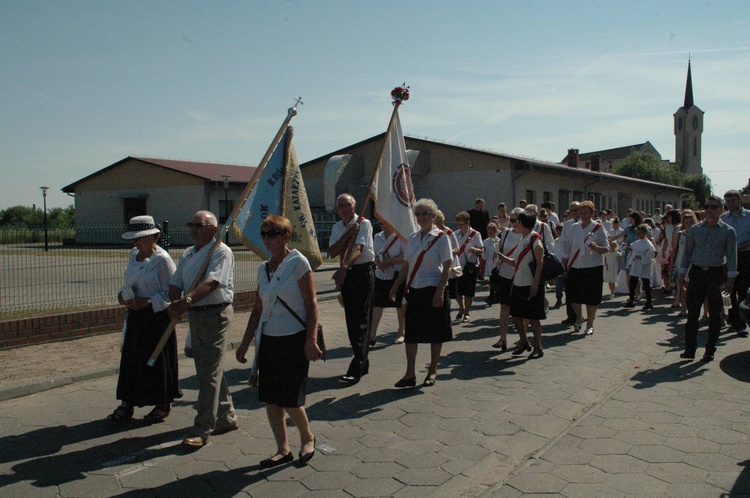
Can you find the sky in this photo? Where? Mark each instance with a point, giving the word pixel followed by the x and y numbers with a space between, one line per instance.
pixel 84 84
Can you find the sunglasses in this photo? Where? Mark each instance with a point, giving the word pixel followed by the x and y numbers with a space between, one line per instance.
pixel 514 220
pixel 270 234
pixel 711 206
pixel 196 225
pixel 422 213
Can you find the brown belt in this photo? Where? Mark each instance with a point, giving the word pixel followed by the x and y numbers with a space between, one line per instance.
pixel 208 307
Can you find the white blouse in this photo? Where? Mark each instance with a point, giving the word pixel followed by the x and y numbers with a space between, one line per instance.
pixel 475 241
pixel 149 278
pixel 641 267
pixel 524 277
pixel 280 322
pixel 507 245
pixel 429 272
pixel 579 237
pixel 380 243
pixel 490 247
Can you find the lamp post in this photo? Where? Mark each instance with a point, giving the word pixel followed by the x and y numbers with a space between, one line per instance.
pixel 44 196
pixel 226 204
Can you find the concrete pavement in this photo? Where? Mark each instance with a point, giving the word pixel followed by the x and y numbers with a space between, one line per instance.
pixel 612 414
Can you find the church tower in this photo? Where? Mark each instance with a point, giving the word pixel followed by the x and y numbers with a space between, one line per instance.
pixel 688 128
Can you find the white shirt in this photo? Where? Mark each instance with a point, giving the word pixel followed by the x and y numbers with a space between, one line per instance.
pixel 544 231
pixel 280 322
pixel 475 241
pixel 364 238
pixel 524 277
pixel 553 216
pixel 641 267
pixel 380 243
pixel 507 245
pixel 562 246
pixel 489 245
pixel 429 271
pixel 149 278
pixel 579 237
pixel 220 269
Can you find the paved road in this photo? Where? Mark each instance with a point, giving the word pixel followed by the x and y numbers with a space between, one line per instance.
pixel 613 414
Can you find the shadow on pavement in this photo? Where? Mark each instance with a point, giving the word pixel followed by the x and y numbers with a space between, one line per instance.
pixel 65 467
pixel 737 366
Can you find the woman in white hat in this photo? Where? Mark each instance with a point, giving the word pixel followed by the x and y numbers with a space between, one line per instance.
pixel 145 294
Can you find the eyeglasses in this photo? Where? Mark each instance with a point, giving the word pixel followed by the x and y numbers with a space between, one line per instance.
pixel 711 206
pixel 422 213
pixel 196 225
pixel 514 220
pixel 270 234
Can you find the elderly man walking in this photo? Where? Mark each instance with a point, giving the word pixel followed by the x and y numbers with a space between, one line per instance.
pixel 210 312
pixel 711 255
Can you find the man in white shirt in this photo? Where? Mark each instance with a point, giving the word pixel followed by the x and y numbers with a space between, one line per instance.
pixel 562 250
pixel 351 240
pixel 209 307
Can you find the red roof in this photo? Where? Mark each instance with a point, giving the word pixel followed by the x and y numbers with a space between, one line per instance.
pixel 206 171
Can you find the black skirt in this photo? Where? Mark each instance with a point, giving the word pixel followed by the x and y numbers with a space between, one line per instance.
pixel 466 284
pixel 380 294
pixel 522 305
pixel 424 323
pixel 584 285
pixel 138 383
pixel 283 370
pixel 504 286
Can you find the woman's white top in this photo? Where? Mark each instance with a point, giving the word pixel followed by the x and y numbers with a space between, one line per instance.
pixel 641 267
pixel 680 248
pixel 507 245
pixel 611 265
pixel 475 241
pixel 579 237
pixel 544 231
pixel 429 271
pixel 489 244
pixel 149 278
pixel 524 277
pixel 286 286
pixel 380 243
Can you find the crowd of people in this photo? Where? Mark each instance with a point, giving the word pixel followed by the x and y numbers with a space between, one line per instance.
pixel 692 255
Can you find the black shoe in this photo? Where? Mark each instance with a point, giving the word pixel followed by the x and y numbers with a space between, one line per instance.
pixel 537 353
pixel 569 321
pixel 708 356
pixel 521 349
pixel 406 383
pixel 303 459
pixel 269 463
pixel 648 307
pixel 629 304
pixel 688 356
pixel 742 333
pixel 349 379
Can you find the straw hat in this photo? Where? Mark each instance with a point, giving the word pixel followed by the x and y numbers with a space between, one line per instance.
pixel 141 226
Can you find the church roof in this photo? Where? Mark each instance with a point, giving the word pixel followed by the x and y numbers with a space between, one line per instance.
pixel 689 90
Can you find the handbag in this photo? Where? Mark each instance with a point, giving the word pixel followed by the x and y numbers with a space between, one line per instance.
pixel 470 268
pixel 551 266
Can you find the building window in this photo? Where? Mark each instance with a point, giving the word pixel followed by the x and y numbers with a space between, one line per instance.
pixel 225 209
pixel 695 147
pixel 546 196
pixel 529 196
pixel 563 197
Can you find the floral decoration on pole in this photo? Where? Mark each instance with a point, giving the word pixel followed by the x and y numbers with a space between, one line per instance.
pixel 400 94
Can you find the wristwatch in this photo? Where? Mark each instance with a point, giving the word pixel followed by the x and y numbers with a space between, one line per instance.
pixel 188 300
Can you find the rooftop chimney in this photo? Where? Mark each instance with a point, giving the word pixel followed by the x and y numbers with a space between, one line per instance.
pixel 573 158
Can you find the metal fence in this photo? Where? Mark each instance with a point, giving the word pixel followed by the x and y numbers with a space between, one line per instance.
pixel 70 276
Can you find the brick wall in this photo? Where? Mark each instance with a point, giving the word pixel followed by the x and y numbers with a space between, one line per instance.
pixel 65 326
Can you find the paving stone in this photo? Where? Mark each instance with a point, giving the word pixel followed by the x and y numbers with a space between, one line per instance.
pixel 657 454
pixel 693 445
pixel 374 487
pixel 537 483
pixel 734 482
pixel 328 480
pixel 579 473
pixel 422 476
pixel 605 446
pixel 619 464
pixel 693 490
pixel 91 485
pixel 676 472
pixel 376 470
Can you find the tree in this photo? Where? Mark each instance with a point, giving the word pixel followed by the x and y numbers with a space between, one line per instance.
pixel 23 216
pixel 648 167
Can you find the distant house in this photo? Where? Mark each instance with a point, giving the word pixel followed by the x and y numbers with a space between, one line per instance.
pixel 454 175
pixel 167 189
pixel 606 160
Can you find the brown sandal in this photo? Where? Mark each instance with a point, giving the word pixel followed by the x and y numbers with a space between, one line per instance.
pixel 121 414
pixel 158 414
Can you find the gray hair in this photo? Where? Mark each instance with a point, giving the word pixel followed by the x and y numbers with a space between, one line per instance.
pixel 429 204
pixel 532 208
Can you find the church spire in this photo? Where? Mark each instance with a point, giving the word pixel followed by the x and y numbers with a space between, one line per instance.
pixel 689 90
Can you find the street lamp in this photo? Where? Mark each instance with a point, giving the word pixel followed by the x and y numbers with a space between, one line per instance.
pixel 226 204
pixel 44 196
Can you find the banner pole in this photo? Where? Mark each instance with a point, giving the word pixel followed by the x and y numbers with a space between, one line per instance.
pixel 291 112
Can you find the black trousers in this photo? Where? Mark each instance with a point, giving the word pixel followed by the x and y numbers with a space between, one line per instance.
pixel 356 292
pixel 702 285
pixel 739 290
